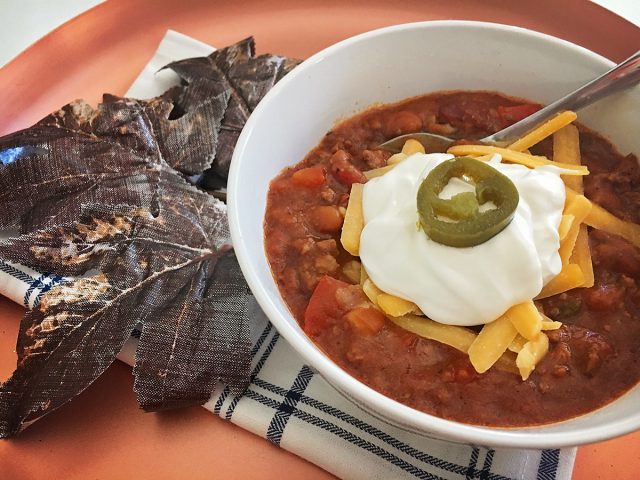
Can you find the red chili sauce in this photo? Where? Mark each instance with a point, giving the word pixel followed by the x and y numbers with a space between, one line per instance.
pixel 592 359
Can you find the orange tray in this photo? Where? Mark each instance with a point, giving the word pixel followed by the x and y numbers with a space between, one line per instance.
pixel 102 433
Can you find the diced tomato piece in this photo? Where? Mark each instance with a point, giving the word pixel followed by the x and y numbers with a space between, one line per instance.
pixel 323 309
pixel 344 171
pixel 310 177
pixel 516 113
pixel 349 175
pixel 366 320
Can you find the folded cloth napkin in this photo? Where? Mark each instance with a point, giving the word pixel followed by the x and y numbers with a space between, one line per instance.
pixel 290 405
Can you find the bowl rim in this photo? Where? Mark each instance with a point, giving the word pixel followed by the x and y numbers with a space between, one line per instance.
pixel 392 410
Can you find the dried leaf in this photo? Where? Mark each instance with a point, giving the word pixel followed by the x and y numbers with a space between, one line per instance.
pixel 111 155
pixel 216 323
pixel 151 262
pixel 188 131
pixel 74 156
pixel 100 197
pixel 130 268
pixel 235 69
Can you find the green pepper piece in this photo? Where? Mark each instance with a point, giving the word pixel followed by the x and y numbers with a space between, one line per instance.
pixel 467 226
pixel 459 207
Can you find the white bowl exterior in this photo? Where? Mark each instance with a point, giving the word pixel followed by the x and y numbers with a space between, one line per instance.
pixel 388 65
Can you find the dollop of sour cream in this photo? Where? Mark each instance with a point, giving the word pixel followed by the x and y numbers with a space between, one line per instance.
pixel 461 286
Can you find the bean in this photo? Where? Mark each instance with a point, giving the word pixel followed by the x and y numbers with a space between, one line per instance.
pixel 326 218
pixel 403 122
pixel 309 177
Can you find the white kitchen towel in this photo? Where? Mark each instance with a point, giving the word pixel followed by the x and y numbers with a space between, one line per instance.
pixel 294 408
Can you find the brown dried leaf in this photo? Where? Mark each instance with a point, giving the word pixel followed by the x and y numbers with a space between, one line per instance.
pixel 74 156
pixel 145 252
pixel 187 132
pixel 98 197
pixel 111 155
pixel 131 268
pixel 235 69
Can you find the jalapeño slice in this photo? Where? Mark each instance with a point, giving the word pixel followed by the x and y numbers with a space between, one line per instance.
pixel 458 221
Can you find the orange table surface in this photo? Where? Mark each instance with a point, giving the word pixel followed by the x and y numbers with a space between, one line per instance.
pixel 102 433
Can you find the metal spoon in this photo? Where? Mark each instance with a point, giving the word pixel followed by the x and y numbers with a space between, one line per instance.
pixel 620 77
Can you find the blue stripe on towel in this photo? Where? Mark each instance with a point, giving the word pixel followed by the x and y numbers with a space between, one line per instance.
pixel 33 283
pixel 55 280
pixel 486 466
pixel 288 405
pixel 473 461
pixel 377 433
pixel 348 436
pixel 254 374
pixel 17 274
pixel 36 283
pixel 549 460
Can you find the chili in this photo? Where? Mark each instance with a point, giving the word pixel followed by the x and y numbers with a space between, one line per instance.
pixel 593 359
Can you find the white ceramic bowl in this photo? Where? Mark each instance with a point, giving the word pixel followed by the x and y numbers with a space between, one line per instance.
pixel 388 65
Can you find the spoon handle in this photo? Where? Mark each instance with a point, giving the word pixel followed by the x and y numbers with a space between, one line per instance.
pixel 619 78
